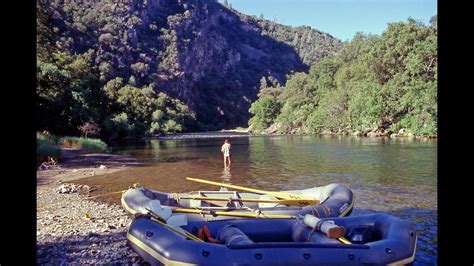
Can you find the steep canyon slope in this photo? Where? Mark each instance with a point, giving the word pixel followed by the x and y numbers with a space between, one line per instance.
pixel 208 56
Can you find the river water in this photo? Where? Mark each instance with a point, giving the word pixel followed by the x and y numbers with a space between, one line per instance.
pixel 395 176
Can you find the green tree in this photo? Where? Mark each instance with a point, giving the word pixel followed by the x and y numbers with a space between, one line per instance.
pixel 383 83
pixel 264 111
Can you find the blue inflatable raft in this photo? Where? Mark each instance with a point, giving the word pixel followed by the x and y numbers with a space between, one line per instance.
pixel 376 239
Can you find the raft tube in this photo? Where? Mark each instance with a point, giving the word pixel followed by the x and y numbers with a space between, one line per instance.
pixel 376 239
pixel 335 199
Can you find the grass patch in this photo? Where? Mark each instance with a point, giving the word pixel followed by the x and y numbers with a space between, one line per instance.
pixel 241 129
pixel 84 144
pixel 46 145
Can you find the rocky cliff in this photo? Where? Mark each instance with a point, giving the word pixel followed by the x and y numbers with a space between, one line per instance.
pixel 210 57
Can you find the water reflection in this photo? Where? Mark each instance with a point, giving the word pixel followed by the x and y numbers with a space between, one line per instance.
pixel 226 176
pixel 295 162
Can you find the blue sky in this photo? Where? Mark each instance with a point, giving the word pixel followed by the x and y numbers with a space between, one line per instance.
pixel 340 18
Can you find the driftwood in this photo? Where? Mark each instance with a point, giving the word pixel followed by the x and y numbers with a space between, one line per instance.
pixel 51 164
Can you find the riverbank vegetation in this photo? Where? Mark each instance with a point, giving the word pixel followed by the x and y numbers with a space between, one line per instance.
pixel 375 85
pixel 48 145
pixel 83 144
pixel 70 97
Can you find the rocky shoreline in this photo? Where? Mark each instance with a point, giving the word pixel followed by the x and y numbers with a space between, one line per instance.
pixel 72 229
pixel 208 135
pixel 372 133
pixel 235 134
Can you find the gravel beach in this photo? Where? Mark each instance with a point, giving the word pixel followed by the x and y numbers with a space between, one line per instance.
pixel 72 229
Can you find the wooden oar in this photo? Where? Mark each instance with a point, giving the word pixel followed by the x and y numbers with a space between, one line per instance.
pixel 234 214
pixel 289 202
pixel 305 200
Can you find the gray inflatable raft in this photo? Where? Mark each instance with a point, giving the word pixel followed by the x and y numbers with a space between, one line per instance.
pixel 335 200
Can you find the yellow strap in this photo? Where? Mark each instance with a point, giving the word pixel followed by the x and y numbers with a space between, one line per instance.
pixel 116 192
pixel 344 240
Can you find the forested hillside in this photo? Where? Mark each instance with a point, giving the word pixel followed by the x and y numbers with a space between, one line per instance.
pixel 137 67
pixel 375 85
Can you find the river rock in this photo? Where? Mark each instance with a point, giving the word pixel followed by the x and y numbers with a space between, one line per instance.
pixel 102 166
pixel 64 189
pixel 272 129
pixel 67 188
pixel 371 134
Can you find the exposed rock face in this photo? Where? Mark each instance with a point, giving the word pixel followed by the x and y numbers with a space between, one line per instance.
pixel 198 51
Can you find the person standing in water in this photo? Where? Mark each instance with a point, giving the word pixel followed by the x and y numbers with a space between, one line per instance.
pixel 225 149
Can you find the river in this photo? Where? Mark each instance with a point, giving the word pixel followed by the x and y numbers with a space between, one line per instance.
pixel 395 176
